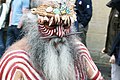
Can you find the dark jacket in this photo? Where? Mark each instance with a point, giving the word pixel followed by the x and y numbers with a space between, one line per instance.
pixel 115 4
pixel 84 11
pixel 116 49
pixel 113 28
pixel 116 45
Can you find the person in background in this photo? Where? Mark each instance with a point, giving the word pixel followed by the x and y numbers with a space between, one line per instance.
pixel 84 13
pixel 4 9
pixel 18 7
pixel 113 27
pixel 112 45
pixel 115 58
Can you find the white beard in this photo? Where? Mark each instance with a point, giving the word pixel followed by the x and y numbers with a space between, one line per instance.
pixel 58 62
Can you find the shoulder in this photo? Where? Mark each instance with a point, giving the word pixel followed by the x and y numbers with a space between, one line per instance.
pixel 17 61
pixel 19 45
pixel 13 56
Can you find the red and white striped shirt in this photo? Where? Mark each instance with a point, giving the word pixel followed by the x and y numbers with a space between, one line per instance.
pixel 18 60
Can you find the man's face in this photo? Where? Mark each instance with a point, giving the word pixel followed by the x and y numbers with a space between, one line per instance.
pixel 54 27
pixel 54 19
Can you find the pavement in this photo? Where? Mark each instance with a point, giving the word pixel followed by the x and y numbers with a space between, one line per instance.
pixel 102 62
pixel 96 36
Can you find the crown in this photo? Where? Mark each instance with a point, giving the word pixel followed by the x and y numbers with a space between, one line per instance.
pixel 57 10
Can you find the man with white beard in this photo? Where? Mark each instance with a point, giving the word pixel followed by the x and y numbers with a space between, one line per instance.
pixel 50 49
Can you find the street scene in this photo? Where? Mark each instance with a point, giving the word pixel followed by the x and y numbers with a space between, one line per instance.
pixel 37 40
pixel 96 36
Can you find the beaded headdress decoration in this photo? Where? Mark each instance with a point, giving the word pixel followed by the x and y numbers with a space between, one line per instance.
pixel 55 14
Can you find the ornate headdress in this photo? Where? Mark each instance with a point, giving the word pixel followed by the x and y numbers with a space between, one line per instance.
pixel 55 17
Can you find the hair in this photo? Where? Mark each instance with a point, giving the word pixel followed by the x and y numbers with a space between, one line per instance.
pixel 43 52
pixel 55 57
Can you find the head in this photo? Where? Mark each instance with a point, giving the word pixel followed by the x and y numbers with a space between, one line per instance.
pixel 53 55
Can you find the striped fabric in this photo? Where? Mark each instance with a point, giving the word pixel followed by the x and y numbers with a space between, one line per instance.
pixel 85 62
pixel 18 60
pixel 46 31
pixel 58 31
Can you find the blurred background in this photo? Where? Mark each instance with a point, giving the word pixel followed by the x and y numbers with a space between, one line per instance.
pixel 96 36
